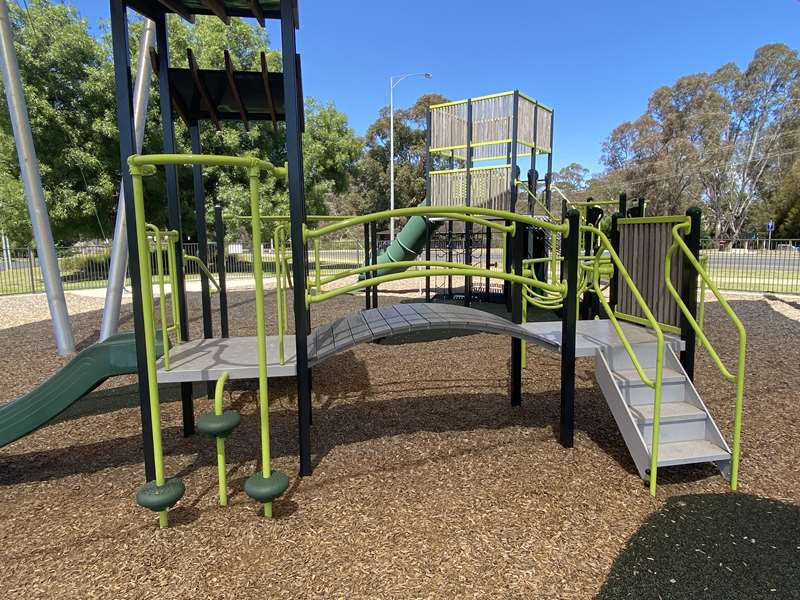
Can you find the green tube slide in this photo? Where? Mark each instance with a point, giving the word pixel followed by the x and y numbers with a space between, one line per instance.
pixel 407 244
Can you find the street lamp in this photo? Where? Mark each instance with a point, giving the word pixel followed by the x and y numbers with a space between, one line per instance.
pixel 393 81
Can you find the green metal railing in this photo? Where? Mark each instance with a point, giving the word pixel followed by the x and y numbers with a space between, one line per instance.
pixel 738 378
pixel 655 382
pixel 141 166
pixel 476 215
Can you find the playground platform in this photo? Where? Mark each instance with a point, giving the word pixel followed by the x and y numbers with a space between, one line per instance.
pixel 207 359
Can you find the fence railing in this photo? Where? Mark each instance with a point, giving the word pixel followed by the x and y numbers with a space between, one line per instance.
pixel 86 267
pixel 742 265
pixel 754 265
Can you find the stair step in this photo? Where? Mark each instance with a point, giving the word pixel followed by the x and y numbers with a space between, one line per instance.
pixel 631 376
pixel 670 412
pixel 689 452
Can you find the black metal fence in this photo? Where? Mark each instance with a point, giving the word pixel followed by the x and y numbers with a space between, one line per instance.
pixel 745 265
pixel 87 267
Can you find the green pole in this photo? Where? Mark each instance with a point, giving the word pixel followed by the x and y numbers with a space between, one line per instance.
pixel 146 277
pixel 258 270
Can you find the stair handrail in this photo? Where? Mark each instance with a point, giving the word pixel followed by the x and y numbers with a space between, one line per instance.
pixel 738 378
pixel 656 383
pixel 187 258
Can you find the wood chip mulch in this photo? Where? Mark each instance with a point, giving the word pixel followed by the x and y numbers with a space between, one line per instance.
pixel 427 483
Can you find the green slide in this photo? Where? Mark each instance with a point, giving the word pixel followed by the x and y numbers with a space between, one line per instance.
pixel 89 368
pixel 408 243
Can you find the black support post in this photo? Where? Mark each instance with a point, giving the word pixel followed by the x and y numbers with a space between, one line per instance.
pixel 449 257
pixel 468 202
pixel 520 239
pixel 689 292
pixel 488 261
pixel 124 98
pixel 173 205
pixel 613 287
pixel 219 233
pixel 294 155
pixel 623 204
pixel 202 238
pixel 373 245
pixel 428 258
pixel 568 329
pixel 367 262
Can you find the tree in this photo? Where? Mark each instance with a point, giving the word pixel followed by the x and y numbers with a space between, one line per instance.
pixel 371 191
pixel 69 84
pixel 712 138
pixel 571 179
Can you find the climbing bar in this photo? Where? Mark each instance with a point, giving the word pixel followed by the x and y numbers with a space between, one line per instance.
pixel 738 379
pixel 162 300
pixel 139 162
pixel 220 424
pixel 160 494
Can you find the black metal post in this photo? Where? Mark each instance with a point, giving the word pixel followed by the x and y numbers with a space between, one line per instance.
pixel 374 258
pixel 202 238
pixel 623 204
pixel 520 237
pixel 201 229
pixel 219 232
pixel 428 258
pixel 123 93
pixel 367 262
pixel 468 202
pixel 294 155
pixel 449 257
pixel 568 329
pixel 689 292
pixel 173 206
pixel 613 287
pixel 488 261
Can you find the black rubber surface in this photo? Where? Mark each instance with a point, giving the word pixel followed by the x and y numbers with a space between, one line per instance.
pixel 712 546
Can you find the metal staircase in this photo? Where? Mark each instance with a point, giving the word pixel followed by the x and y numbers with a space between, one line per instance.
pixel 688 434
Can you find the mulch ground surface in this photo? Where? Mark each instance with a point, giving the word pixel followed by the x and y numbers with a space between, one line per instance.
pixel 427 483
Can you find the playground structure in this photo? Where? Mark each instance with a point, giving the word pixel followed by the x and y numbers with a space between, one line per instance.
pixel 634 286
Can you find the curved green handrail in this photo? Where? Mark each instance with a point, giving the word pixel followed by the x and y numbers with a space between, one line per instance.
pixel 738 378
pixel 656 382
pixel 458 212
pixel 448 269
pixel 196 260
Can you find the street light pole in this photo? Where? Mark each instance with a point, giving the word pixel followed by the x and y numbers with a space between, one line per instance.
pixel 393 81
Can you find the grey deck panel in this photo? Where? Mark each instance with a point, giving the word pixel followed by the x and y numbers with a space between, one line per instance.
pixel 376 323
pixel 207 359
pixel 412 316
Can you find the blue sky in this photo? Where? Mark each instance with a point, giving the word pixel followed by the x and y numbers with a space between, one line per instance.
pixel 595 62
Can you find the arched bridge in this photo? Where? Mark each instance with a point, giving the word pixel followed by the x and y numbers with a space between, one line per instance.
pixel 393 319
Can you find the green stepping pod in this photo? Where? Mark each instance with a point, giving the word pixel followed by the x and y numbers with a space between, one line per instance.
pixel 158 498
pixel 266 490
pixel 219 425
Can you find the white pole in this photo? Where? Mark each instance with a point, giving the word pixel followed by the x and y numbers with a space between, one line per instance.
pixel 118 262
pixel 392 84
pixel 6 250
pixel 32 182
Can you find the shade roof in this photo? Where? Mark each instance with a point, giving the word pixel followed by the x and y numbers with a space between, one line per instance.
pixel 249 84
pixel 257 9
